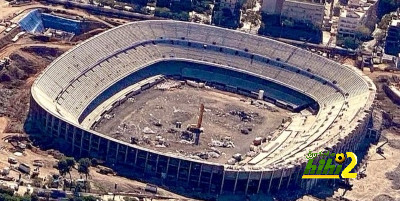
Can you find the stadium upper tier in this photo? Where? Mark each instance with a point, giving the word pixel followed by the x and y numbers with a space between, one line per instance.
pixel 69 88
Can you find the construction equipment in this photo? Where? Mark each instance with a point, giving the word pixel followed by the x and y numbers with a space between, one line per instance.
pixel 361 174
pixel 196 128
pixel 379 149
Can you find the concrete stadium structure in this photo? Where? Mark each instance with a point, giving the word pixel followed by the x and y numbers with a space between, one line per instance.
pixel 86 82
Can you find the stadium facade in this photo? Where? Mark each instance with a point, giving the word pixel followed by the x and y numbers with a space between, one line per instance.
pixel 88 81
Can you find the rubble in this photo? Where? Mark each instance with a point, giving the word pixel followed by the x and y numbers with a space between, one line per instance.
pixel 159 120
pixel 237 157
pixel 168 85
pixel 253 148
pixel 195 84
pixel 251 153
pixel 244 116
pixel 231 161
pixel 258 140
pixel 148 130
pixel 226 143
pixel 108 116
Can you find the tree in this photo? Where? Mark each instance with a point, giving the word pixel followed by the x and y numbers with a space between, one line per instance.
pixel 363 33
pixel 65 166
pixel 387 6
pixel 351 43
pixel 83 166
pixel 384 23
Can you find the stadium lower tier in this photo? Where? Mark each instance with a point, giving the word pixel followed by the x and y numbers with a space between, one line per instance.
pixel 229 79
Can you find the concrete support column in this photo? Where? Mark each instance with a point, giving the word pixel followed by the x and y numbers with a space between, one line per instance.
pixel 223 181
pixel 126 155
pixel 108 149
pixel 209 183
pixel 280 180
pixel 201 171
pixel 52 125
pixel 270 181
pixel 136 155
pixel 190 171
pixel 59 128
pixel 146 161
pixel 259 182
pixel 177 172
pixel 298 174
pixel 158 158
pixel 46 127
pixel 166 172
pixel 73 139
pixel 234 188
pixel 247 183
pixel 98 145
pixel 81 145
pixel 66 131
pixel 290 176
pixel 117 152
pixel 90 142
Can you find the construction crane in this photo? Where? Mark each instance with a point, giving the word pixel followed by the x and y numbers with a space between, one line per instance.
pixel 196 128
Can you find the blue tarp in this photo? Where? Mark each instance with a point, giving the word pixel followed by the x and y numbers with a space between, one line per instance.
pixel 37 22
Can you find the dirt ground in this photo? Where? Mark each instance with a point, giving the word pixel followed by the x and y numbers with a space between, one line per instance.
pixel 16 79
pixel 226 115
pixel 3 124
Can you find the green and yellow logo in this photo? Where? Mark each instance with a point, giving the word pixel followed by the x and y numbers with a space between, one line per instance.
pixel 327 169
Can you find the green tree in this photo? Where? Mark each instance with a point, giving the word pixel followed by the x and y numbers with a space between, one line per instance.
pixel 363 33
pixel 65 166
pixel 384 23
pixel 83 166
pixel 351 43
pixel 387 6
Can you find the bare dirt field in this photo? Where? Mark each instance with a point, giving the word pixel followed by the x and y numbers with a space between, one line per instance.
pixel 16 79
pixel 153 114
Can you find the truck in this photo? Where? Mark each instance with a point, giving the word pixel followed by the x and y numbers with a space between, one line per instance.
pixel 12 160
pixel 24 168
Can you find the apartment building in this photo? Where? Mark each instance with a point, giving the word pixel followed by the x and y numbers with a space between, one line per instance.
pixel 272 7
pixel 392 43
pixel 356 14
pixel 231 4
pixel 304 11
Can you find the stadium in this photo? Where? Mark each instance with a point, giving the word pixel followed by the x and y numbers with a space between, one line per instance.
pixel 83 85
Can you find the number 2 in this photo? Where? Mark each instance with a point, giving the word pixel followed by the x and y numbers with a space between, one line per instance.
pixel 346 172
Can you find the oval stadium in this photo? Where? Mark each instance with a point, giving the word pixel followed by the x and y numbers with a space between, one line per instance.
pixel 330 103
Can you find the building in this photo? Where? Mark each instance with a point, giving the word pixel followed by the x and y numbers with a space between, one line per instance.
pixel 305 12
pixel 356 14
pixel 397 61
pixel 392 44
pixel 272 7
pixel 231 4
pixel 349 21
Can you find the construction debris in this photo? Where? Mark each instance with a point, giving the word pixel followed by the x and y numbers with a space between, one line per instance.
pixel 148 130
pixel 226 143
pixel 168 85
pixel 195 84
pixel 167 121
